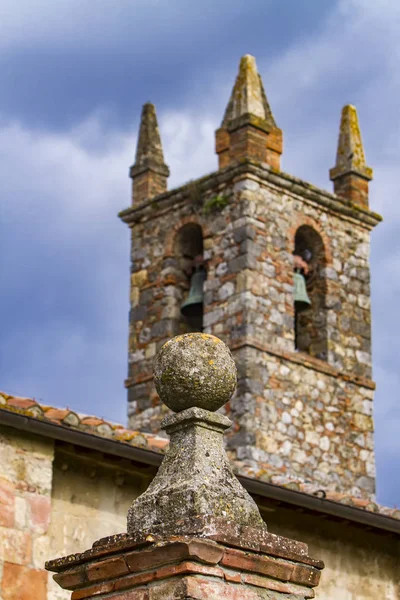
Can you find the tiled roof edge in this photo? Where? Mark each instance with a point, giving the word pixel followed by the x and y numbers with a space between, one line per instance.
pixel 94 426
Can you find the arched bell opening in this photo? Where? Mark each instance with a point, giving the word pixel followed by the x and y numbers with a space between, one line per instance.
pixel 310 293
pixel 189 253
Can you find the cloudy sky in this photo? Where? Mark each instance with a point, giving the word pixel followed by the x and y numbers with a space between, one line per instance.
pixel 74 74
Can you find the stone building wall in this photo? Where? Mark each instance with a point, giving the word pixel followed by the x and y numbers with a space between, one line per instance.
pixel 58 499
pixel 26 479
pixel 90 498
pixel 294 420
pixel 360 563
pixel 256 255
pixel 292 409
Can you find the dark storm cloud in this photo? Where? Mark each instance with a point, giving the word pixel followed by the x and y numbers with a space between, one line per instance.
pixel 116 58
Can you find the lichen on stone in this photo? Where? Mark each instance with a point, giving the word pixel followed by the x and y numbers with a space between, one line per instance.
pixel 195 369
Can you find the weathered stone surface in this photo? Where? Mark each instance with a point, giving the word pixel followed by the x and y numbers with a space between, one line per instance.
pixel 149 173
pixel 195 370
pixel 195 478
pixel 248 129
pixel 351 175
pixel 350 155
pixel 248 95
pixel 25 508
pixel 199 528
pixel 23 583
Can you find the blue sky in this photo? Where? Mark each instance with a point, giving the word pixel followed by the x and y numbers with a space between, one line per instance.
pixel 74 75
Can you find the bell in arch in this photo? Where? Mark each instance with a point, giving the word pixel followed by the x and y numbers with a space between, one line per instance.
pixel 193 305
pixel 301 299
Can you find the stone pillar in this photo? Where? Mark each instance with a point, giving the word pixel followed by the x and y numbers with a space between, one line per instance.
pixel 195 534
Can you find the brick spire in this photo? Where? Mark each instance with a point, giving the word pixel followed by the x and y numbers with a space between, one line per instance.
pixel 351 175
pixel 248 129
pixel 149 173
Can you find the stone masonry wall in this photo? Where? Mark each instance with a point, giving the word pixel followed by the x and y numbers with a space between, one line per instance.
pixel 360 563
pixel 25 509
pixel 91 496
pixel 293 420
pixel 55 499
pixel 248 247
pixel 255 275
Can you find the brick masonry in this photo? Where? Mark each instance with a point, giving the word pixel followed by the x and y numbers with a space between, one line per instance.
pixel 254 566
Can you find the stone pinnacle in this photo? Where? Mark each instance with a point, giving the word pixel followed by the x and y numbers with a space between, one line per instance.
pixel 195 374
pixel 248 95
pixel 350 156
pixel 149 148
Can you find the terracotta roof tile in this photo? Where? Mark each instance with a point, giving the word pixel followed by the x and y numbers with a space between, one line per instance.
pixel 100 427
pixel 93 421
pixel 56 414
pixel 21 402
pixel 159 443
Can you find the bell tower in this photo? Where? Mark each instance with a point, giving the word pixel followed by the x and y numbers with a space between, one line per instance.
pixel 284 282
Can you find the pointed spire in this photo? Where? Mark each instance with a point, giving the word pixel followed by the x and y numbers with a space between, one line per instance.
pixel 149 173
pixel 351 175
pixel 149 142
pixel 248 129
pixel 248 95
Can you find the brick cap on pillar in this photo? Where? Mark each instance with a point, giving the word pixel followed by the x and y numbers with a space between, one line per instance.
pixel 218 559
pixel 149 152
pixel 350 156
pixel 194 374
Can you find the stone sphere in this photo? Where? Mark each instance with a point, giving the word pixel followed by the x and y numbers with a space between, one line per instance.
pixel 195 369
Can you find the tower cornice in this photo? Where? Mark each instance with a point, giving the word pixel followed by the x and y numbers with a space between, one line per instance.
pixel 263 173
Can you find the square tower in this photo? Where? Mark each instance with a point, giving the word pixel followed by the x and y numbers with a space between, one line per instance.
pixel 283 271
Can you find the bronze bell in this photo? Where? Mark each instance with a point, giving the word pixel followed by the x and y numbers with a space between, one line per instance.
pixel 301 299
pixel 193 303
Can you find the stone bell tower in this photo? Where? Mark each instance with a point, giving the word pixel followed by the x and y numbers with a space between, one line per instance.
pixel 303 406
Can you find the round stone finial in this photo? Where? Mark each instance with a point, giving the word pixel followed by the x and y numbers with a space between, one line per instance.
pixel 195 369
